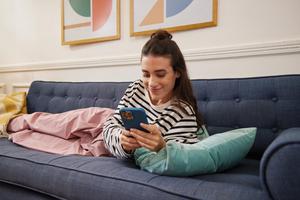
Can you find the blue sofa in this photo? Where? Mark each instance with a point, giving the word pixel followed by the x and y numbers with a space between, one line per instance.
pixel 270 171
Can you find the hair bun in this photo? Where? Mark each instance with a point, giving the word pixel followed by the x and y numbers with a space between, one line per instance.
pixel 161 35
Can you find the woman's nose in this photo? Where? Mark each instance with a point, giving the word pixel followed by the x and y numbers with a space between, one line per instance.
pixel 152 82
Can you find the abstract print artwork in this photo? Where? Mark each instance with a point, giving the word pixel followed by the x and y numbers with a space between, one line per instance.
pixel 87 21
pixel 172 15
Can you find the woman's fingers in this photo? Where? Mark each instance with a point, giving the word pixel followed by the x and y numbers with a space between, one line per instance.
pixel 152 140
pixel 130 146
pixel 142 137
pixel 128 142
pixel 126 133
pixel 150 128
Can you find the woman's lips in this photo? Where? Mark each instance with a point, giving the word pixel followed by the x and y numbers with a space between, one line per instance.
pixel 155 91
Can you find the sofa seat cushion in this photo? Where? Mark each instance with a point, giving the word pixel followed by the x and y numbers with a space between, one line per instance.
pixel 11 192
pixel 80 177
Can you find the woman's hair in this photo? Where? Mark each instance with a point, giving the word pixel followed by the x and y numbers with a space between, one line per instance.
pixel 161 44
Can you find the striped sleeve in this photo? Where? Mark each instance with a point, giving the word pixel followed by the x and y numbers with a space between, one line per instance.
pixel 114 126
pixel 179 126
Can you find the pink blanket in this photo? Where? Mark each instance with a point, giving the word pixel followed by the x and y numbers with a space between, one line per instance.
pixel 73 132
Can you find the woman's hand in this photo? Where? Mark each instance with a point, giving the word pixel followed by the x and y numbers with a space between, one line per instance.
pixel 128 142
pixel 152 140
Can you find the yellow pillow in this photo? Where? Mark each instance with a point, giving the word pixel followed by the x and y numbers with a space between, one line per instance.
pixel 11 106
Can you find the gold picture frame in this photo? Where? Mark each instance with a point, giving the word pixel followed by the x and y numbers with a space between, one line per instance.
pixel 148 16
pixel 81 24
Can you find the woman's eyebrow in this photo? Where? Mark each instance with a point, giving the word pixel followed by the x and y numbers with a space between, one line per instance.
pixel 156 71
pixel 160 70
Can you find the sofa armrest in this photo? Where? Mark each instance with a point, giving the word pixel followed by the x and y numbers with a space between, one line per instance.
pixel 280 166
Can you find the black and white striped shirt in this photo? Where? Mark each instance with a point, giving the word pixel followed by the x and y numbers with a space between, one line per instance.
pixel 174 124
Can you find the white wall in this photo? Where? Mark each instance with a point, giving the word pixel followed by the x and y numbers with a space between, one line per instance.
pixel 253 38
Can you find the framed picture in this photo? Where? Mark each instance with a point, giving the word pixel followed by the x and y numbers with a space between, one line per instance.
pixel 87 21
pixel 172 15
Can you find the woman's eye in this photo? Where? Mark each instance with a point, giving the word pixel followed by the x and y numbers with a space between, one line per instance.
pixel 146 75
pixel 160 75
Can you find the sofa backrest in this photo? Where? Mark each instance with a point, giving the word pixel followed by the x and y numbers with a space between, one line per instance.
pixel 271 104
pixel 57 97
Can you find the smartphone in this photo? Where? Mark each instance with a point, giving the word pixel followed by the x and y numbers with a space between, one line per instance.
pixel 132 117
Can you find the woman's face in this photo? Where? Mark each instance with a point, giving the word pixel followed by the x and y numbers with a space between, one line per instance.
pixel 159 78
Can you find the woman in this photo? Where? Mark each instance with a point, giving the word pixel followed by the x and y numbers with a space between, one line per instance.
pixel 165 93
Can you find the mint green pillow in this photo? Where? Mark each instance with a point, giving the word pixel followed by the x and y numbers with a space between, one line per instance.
pixel 212 154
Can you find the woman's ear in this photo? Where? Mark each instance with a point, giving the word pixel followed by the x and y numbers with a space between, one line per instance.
pixel 177 74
